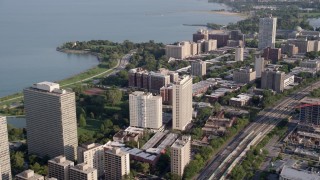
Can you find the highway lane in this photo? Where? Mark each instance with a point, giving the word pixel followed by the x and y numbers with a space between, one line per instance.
pixel 266 121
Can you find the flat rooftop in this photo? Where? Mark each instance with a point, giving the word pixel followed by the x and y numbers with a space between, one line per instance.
pixel 290 173
pixel 309 100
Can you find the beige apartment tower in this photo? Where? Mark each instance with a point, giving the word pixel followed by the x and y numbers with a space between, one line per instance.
pixel 198 68
pixel 239 54
pixel 5 168
pixel 92 154
pixel 182 103
pixel 145 110
pixel 117 163
pixel 246 75
pixel 180 155
pixel 83 172
pixel 28 175
pixel 267 32
pixel 59 168
pixel 259 66
pixel 51 120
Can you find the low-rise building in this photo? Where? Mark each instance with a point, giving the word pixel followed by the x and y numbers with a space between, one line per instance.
pixel 288 80
pixel 217 125
pixel 241 100
pixel 129 134
pixel 288 173
pixel 312 64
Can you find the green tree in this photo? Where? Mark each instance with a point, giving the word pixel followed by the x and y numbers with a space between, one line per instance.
pixel 17 160
pixel 114 96
pixel 82 121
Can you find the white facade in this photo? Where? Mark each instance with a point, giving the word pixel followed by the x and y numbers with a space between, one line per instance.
pixel 59 168
pixel 28 175
pixel 180 155
pixel 210 45
pixel 259 64
pixel 145 110
pixel 117 163
pixel 182 103
pixel 83 172
pixel 267 32
pixel 92 154
pixel 239 54
pixel 288 80
pixel 4 151
pixel 180 51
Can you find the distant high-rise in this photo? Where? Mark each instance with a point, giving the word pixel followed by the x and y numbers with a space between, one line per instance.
pixel 51 120
pixel 273 54
pixel 239 54
pixel 180 155
pixel 92 154
pixel 198 68
pixel 244 75
pixel 145 110
pixel 4 151
pixel 83 172
pixel 117 163
pixel 28 175
pixel 59 168
pixel 259 65
pixel 273 80
pixel 182 103
pixel 267 32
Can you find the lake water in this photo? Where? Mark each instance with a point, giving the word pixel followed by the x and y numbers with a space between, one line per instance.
pixel 17 122
pixel 31 30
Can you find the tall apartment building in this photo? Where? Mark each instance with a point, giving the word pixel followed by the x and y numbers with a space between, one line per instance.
pixel 310 111
pixel 200 34
pixel 5 168
pixel 51 120
pixel 198 68
pixel 210 45
pixel 289 49
pixel 267 32
pixel 304 45
pixel 273 80
pixel 239 54
pixel 180 51
pixel 244 75
pixel 58 167
pixel 166 93
pixel 273 54
pixel 182 103
pixel 28 175
pixel 117 163
pixel 83 172
pixel 259 66
pixel 92 154
pixel 151 81
pixel 180 154
pixel 145 110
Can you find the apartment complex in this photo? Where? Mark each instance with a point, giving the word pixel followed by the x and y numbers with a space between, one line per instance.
pixel 145 110
pixel 51 120
pixel 289 49
pixel 239 54
pixel 83 172
pixel 58 167
pixel 182 103
pixel 244 75
pixel 186 49
pixel 310 111
pixel 273 80
pixel 151 81
pixel 304 45
pixel 5 168
pixel 273 54
pixel 166 93
pixel 180 155
pixel 267 32
pixel 92 154
pixel 28 175
pixel 312 64
pixel 117 163
pixel 198 68
pixel 259 66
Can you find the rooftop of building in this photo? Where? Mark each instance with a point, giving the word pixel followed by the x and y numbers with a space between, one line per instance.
pixel 88 146
pixel 29 174
pixel 242 97
pixel 48 87
pixel 290 173
pixel 61 160
pixel 115 151
pixel 309 100
pixel 83 168
pixel 181 142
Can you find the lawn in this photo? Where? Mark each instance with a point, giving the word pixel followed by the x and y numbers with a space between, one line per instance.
pixel 93 125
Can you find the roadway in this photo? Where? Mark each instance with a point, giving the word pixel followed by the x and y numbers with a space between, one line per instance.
pixel 223 162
